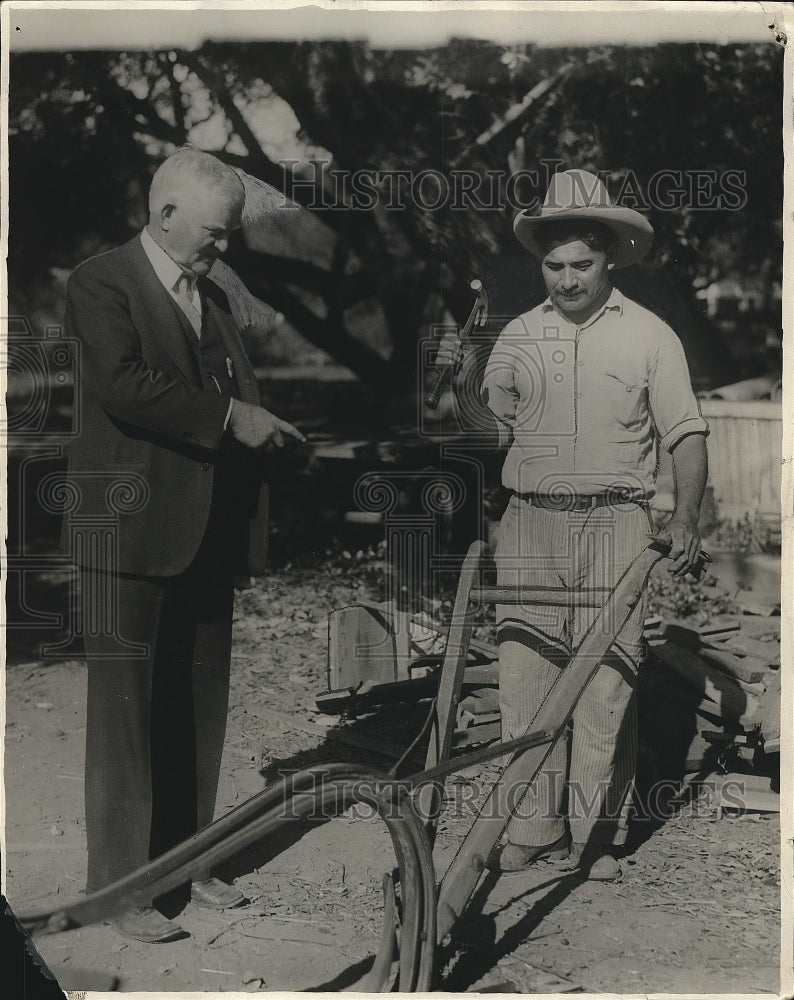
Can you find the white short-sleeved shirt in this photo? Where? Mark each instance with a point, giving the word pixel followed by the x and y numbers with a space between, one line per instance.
pixel 587 404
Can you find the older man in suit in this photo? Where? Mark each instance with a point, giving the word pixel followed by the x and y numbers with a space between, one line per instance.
pixel 170 413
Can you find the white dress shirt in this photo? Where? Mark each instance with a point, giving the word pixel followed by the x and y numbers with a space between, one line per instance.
pixel 172 278
pixel 175 279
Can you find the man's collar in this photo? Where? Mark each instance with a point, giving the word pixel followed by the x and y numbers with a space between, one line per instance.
pixel 165 267
pixel 613 303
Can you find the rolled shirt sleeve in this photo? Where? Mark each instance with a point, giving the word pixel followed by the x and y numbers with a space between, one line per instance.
pixel 673 405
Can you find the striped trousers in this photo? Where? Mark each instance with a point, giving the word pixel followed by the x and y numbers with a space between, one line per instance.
pixel 549 548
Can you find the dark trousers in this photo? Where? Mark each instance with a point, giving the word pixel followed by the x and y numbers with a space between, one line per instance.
pixel 155 721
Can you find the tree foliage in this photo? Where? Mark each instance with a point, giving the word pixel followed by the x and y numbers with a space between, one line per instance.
pixel 88 129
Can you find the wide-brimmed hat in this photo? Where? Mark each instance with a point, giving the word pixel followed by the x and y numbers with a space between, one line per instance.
pixel 580 195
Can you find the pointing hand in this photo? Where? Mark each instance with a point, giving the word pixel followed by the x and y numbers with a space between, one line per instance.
pixel 256 427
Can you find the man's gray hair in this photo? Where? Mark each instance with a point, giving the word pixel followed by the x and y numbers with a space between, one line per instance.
pixel 191 166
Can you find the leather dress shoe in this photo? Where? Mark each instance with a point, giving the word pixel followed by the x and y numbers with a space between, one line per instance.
pixel 215 894
pixel 518 857
pixel 144 923
pixel 595 864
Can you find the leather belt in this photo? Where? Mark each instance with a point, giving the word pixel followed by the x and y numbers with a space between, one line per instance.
pixel 580 504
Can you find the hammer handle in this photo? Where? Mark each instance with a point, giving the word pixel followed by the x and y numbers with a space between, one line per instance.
pixel 445 373
pixel 439 384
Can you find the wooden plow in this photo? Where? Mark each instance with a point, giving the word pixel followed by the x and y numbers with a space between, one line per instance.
pixel 426 913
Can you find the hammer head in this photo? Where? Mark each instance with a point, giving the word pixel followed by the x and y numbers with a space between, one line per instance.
pixel 482 302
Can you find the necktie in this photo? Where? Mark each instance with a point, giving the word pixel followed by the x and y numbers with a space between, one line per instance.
pixel 186 294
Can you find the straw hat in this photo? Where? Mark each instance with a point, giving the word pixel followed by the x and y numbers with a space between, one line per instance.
pixel 578 194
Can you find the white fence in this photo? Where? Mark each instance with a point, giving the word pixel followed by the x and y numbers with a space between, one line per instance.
pixel 745 451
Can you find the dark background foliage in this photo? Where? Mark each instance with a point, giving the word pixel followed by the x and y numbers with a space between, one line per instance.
pixel 88 129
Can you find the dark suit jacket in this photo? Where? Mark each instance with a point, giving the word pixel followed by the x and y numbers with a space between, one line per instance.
pixel 142 459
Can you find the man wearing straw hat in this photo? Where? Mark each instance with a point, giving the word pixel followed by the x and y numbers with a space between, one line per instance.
pixel 168 442
pixel 590 385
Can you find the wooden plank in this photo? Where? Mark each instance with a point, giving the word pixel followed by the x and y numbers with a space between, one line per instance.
pixel 361 647
pixel 749 669
pixel 488 649
pixel 681 634
pixel 744 791
pixel 758 626
pixel 430 795
pixel 481 719
pixel 728 700
pixel 693 668
pixel 364 645
pixel 688 634
pixel 768 715
pixel 402 643
pixel 389 692
pixel 480 702
pixel 718 627
pixel 484 732
pixel 484 674
pixel 692 635
pixel 711 712
pixel 742 645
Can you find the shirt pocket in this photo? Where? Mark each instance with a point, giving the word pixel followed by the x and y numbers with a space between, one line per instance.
pixel 624 399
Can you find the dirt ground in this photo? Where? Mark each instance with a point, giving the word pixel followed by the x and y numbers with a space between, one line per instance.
pixel 697 910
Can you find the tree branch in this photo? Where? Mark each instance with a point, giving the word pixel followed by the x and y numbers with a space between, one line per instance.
pixel 510 122
pixel 317 198
pixel 156 125
pixel 332 336
pixel 175 91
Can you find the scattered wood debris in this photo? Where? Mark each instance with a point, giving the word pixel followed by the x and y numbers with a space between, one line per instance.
pixel 734 668
pixel 709 692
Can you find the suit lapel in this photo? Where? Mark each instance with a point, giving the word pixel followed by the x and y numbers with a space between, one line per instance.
pixel 217 309
pixel 172 328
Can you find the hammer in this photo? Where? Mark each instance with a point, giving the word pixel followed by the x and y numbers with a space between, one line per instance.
pixel 477 317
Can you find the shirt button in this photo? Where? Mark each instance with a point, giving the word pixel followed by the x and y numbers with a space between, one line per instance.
pixel 581 364
pixel 205 466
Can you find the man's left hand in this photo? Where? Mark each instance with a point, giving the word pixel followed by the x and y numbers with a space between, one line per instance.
pixel 685 541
